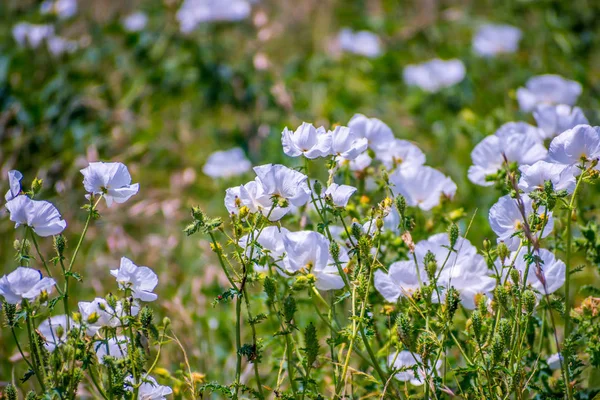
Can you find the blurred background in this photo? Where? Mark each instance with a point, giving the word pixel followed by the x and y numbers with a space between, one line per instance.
pixel 159 86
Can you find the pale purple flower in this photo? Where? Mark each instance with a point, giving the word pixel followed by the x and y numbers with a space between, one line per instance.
pixel 149 389
pixel 135 22
pixel 581 143
pixel 364 43
pixel 377 133
pixel 116 347
pixel 24 283
pixel 105 315
pixel 548 89
pixel 400 154
pixel 283 182
pixel 405 362
pixel 54 330
pixel 140 280
pixel 422 186
pixel 553 269
pixel 62 8
pixel 494 39
pixel 14 184
pixel 227 163
pixel 194 12
pixel 307 140
pixel 43 218
pixel 340 194
pixel 111 180
pixel 435 75
pixel 555 119
pixel 31 35
pixel 534 177
pixel 346 144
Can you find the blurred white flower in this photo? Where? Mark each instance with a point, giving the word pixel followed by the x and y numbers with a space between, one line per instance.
pixel 14 184
pixel 364 43
pixel 54 330
pixel 194 12
pixel 115 347
pixel 555 361
pixel 41 216
pixel 340 194
pixel 522 128
pixel 555 119
pixel 378 134
pixel 58 45
pixel 581 143
pixel 135 22
pixel 405 361
pixel 98 313
pixel 360 163
pixel 506 220
pixel 227 163
pixel 24 283
pixel 347 144
pixel 534 177
pixel 422 186
pixel 112 180
pixel 149 389
pixel 283 182
pixel 31 35
pixel 140 280
pixel 493 39
pixel 400 154
pixel 435 75
pixel 307 140
pixel 548 89
pixel 61 8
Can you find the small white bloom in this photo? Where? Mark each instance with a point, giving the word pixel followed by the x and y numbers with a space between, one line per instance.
pixel 228 163
pixel 534 177
pixel 402 279
pixel 115 347
pixel 281 181
pixel 194 12
pixel 24 283
pixel 360 163
pixel 400 154
pixel 252 195
pixel 135 22
pixel 112 180
pixel 149 389
pixel 522 128
pixel 140 280
pixel 405 361
pixel 31 35
pixel 340 194
pixel 581 143
pixel 364 43
pixel 41 216
pixel 548 89
pixel 554 361
pixel 14 184
pixel 346 144
pixel 494 39
pixel 54 330
pixel 422 186
pixel 378 134
pixel 435 75
pixel 555 119
pixel 62 8
pixel 307 140
pixel 106 316
pixel 553 269
pixel 506 220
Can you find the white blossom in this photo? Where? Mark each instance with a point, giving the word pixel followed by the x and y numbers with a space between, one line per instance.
pixel 581 143
pixel 340 194
pixel 116 347
pixel 555 361
pixel 435 75
pixel 62 8
pixel 283 182
pixel 54 330
pixel 360 163
pixel 400 154
pixel 24 283
pixel 140 280
pixel 43 218
pixel 555 119
pixel 14 184
pixel 377 133
pixel 553 269
pixel 346 144
pixel 102 314
pixel 534 177
pixel 307 140
pixel 227 163
pixel 548 89
pixel 494 39
pixel 194 12
pixel 112 180
pixel 422 186
pixel 149 389
pixel 31 35
pixel 364 43
pixel 405 361
pixel 135 22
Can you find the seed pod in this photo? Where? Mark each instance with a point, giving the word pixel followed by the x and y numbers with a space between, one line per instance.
pixel 356 230
pixel 477 323
pixel 452 302
pixel 289 308
pixel 505 330
pixel 405 329
pixel 318 188
pixel 515 276
pixel 401 206
pixel 503 252
pixel 486 245
pixel 10 392
pixel 529 300
pixel 497 349
pixel 270 288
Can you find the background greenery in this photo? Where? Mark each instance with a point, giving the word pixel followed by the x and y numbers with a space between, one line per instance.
pixel 161 102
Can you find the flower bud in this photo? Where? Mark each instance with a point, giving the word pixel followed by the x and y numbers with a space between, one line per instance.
pixel 477 323
pixel 10 392
pixel 43 298
pixel 505 330
pixel 289 308
pixel 379 223
pixel 401 205
pixel 451 304
pixel 431 269
pixel 502 296
pixel 356 230
pixel 146 317
pixel 94 317
pixel 10 313
pixel 166 322
pixel 60 243
pixel 453 234
pixel 36 186
pixel 405 329
pixel 529 300
pixel 270 288
pixel 334 250
pixel 497 349
pixel 503 252
pixel 244 211
pixel 515 276
pixel 486 245
pixel 60 331
pixel 318 188
pixel 76 317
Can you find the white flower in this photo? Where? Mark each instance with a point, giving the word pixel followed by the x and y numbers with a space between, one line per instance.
pixel 522 128
pixel 422 186
pixel 283 182
pixel 548 89
pixel 534 177
pixel 553 269
pixel 493 39
pixel 149 389
pixel 270 239
pixel 140 280
pixel 400 154
pixel 24 283
pixel 115 347
pixel 104 315
pixel 228 163
pixel 194 12
pixel 252 196
pixel 62 8
pixel 378 134
pixel 364 43
pixel 510 146
pixel 402 279
pixel 307 141
pixel 340 194
pixel 360 163
pixel 41 216
pixel 14 184
pixel 59 45
pixel 506 220
pixel 405 361
pixel 54 330
pixel 135 22
pixel 31 35
pixel 555 361
pixel 345 143
pixel 554 120
pixel 308 252
pixel 112 180
pixel 581 143
pixel 435 75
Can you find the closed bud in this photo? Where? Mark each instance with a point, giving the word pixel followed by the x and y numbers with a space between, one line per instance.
pixel 529 300
pixel 43 298
pixel 36 186
pixel 451 304
pixel 10 313
pixel 289 308
pixel 431 269
pixel 198 214
pixel 486 245
pixel 166 322
pixel 244 211
pixel 60 244
pixel 401 205
pixel 515 276
pixel 76 317
pixel 60 331
pixel 502 296
pixel 497 349
pixel 503 252
pixel 505 330
pixel 356 230
pixel 477 323
pixel 93 317
pixel 10 392
pixel 270 288
pixel 146 317
pixel 318 188
pixel 379 223
pixel 334 250
pixel 111 300
pixel 453 234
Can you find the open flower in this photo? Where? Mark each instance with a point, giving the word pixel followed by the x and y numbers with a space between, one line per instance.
pixel 400 154
pixel 135 22
pixel 402 280
pixel 307 140
pixel 377 133
pixel 363 43
pixel 534 177
pixel 405 361
pixel 31 35
pixel 555 119
pixel 228 163
pixel 493 39
pixel 98 313
pixel 24 283
pixel 282 182
pixel 340 194
pixel 553 269
pixel 422 186
pixel 14 184
pixel 507 221
pixel 140 280
pixel 54 330
pixel 435 75
pixel 581 143
pixel 112 180
pixel 43 218
pixel 114 347
pixel 360 163
pixel 548 89
pixel 149 389
pixel 194 12
pixel 346 144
